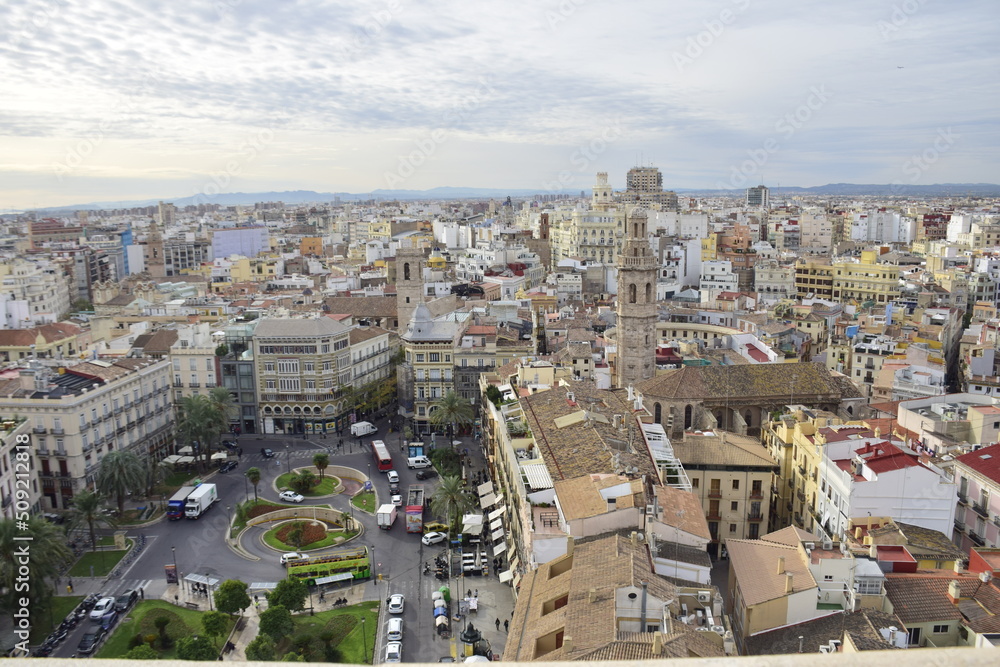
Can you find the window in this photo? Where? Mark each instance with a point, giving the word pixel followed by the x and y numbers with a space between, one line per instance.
pixel 177 364
pixel 308 366
pixel 192 364
pixel 288 365
pixel 269 384
pixel 268 366
pixel 420 357
pixel 694 483
pixel 732 528
pixel 288 384
pixel 940 629
pixel 734 506
pixel 310 385
pixel 736 485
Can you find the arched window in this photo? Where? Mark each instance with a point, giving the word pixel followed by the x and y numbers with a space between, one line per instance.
pixel 406 271
pixel 657 413
pixel 649 293
pixel 631 293
pixel 687 416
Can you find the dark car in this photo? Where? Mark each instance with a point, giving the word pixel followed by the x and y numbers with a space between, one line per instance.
pixel 426 473
pixel 393 488
pixel 126 600
pixel 227 466
pixel 229 444
pixel 267 452
pixel 90 640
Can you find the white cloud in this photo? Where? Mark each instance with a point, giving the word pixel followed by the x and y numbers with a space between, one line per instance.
pixel 164 89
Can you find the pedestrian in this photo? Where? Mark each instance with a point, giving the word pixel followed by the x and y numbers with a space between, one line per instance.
pixel 69 589
pixel 498 625
pixel 506 624
pixel 255 597
pixel 142 594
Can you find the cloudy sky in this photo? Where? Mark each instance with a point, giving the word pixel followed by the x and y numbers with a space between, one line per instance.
pixel 107 100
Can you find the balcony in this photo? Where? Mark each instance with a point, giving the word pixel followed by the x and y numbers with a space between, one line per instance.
pixel 42 451
pixel 715 493
pixel 758 494
pixel 38 429
pixel 194 385
pixel 959 526
pixel 178 385
pixel 755 516
pixel 57 430
pixel 799 520
pixel 801 495
pixel 976 539
pixel 963 499
pixel 802 471
pixel 980 509
pixel 118 410
pixel 713 515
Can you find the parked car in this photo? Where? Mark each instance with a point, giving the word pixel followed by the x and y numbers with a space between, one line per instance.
pixel 392 476
pixel 267 452
pixel 393 652
pixel 291 496
pixel 433 538
pixel 90 640
pixel 290 556
pixel 101 608
pixel 229 444
pixel 109 619
pixel 394 629
pixel 227 466
pixel 395 605
pixel 426 473
pixel 126 600
pixel 393 488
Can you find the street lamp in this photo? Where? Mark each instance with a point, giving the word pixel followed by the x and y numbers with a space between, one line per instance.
pixel 288 459
pixel 208 589
pixel 177 574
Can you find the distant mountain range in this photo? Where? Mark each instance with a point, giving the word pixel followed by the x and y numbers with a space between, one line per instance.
pixel 309 196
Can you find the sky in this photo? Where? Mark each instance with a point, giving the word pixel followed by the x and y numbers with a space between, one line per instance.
pixel 108 100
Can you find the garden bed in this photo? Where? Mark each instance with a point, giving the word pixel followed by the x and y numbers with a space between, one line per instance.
pixel 141 620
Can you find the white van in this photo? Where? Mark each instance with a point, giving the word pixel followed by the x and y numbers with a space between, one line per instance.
pixel 418 462
pixel 360 429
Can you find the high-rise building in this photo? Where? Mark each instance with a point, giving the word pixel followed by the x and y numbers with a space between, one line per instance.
pixel 758 197
pixel 644 186
pixel 410 262
pixel 636 306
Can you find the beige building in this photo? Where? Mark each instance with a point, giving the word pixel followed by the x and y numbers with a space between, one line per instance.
pixel 731 475
pixel 866 280
pixel 15 441
pixel 193 362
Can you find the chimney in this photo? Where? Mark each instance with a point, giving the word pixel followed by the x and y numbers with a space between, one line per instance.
pixel 633 539
pixel 567 644
pixel 789 584
pixel 592 595
pixel 954 591
pixel 569 545
pixel 657 643
pixel 781 564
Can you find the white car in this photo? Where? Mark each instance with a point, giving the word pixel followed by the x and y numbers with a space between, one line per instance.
pixel 397 499
pixel 293 555
pixel 291 497
pixel 433 538
pixel 392 476
pixel 395 603
pixel 103 606
pixel 394 629
pixel 393 652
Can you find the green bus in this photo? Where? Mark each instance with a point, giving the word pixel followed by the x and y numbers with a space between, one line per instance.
pixel 339 565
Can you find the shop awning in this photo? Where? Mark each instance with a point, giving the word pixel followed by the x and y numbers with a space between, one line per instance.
pixel 496 514
pixel 496 535
pixel 487 501
pixel 506 576
pixel 343 576
pixel 185 450
pixel 486 487
pixel 499 548
pixel 495 524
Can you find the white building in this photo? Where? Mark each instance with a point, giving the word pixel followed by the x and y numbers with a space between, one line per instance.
pixel 31 293
pixel 716 277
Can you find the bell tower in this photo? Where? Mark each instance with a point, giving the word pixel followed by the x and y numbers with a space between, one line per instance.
pixel 410 263
pixel 636 305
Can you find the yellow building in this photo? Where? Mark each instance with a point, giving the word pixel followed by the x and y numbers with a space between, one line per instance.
pixel 814 277
pixel 709 248
pixel 866 280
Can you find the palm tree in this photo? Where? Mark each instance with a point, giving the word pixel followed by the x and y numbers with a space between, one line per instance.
pixel 451 409
pixel 253 474
pixel 120 474
pixel 87 510
pixel 321 461
pixel 223 409
pixel 192 426
pixel 451 500
pixel 48 553
pixel 303 481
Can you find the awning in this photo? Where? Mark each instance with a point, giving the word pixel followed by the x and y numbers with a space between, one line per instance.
pixel 496 514
pixel 185 459
pixel 499 548
pixel 473 530
pixel 506 576
pixel 485 488
pixel 499 499
pixel 220 456
pixel 487 501
pixel 514 561
pixel 495 524
pixel 496 535
pixel 264 585
pixel 343 576
pixel 185 450
pixel 170 460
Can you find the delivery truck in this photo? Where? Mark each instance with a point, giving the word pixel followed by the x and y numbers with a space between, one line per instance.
pixel 385 516
pixel 361 429
pixel 175 508
pixel 200 500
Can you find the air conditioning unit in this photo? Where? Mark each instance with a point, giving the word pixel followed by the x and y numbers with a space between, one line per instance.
pixel 810 545
pixel 824 649
pixel 704 596
pixel 650 510
pixel 827 546
pixel 721 629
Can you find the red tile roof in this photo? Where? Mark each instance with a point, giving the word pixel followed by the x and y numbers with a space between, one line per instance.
pixel 885 456
pixel 985 461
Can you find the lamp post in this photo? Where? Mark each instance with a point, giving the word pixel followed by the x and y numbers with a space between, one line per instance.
pixel 229 517
pixel 246 489
pixel 288 459
pixel 208 588
pixel 173 551
pixel 364 638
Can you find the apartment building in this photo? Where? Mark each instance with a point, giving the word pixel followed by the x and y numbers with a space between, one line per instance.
pixel 427 373
pixel 31 293
pixel 86 410
pixel 15 438
pixel 476 354
pixel 731 474
pixel 717 276
pixel 977 516
pixel 866 280
pixel 193 361
pixel 238 373
pixel 302 367
pixel 814 278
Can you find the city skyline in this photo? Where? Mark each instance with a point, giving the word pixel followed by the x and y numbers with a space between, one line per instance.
pixel 113 102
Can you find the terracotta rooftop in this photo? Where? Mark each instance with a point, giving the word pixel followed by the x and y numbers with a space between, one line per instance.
pixel 721 448
pixel 922 597
pixel 49 333
pixel 581 497
pixel 763 381
pixel 682 510
pixel 370 306
pixel 755 564
pixel 863 627
pixel 985 461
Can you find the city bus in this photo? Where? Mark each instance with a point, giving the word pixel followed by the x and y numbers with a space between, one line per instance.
pixel 340 565
pixel 383 460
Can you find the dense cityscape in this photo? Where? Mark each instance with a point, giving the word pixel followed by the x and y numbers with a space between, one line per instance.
pixel 630 423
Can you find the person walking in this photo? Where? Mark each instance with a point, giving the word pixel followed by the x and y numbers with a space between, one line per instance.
pixel 498 625
pixel 506 624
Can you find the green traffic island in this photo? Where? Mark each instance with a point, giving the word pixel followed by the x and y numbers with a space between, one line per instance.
pixel 307 482
pixel 102 561
pixel 306 535
pixel 335 635
pixel 255 508
pixel 364 501
pixel 162 629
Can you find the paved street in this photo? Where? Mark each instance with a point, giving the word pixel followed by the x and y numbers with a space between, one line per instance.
pixel 199 547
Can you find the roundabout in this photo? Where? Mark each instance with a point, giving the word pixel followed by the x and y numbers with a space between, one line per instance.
pixel 304 535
